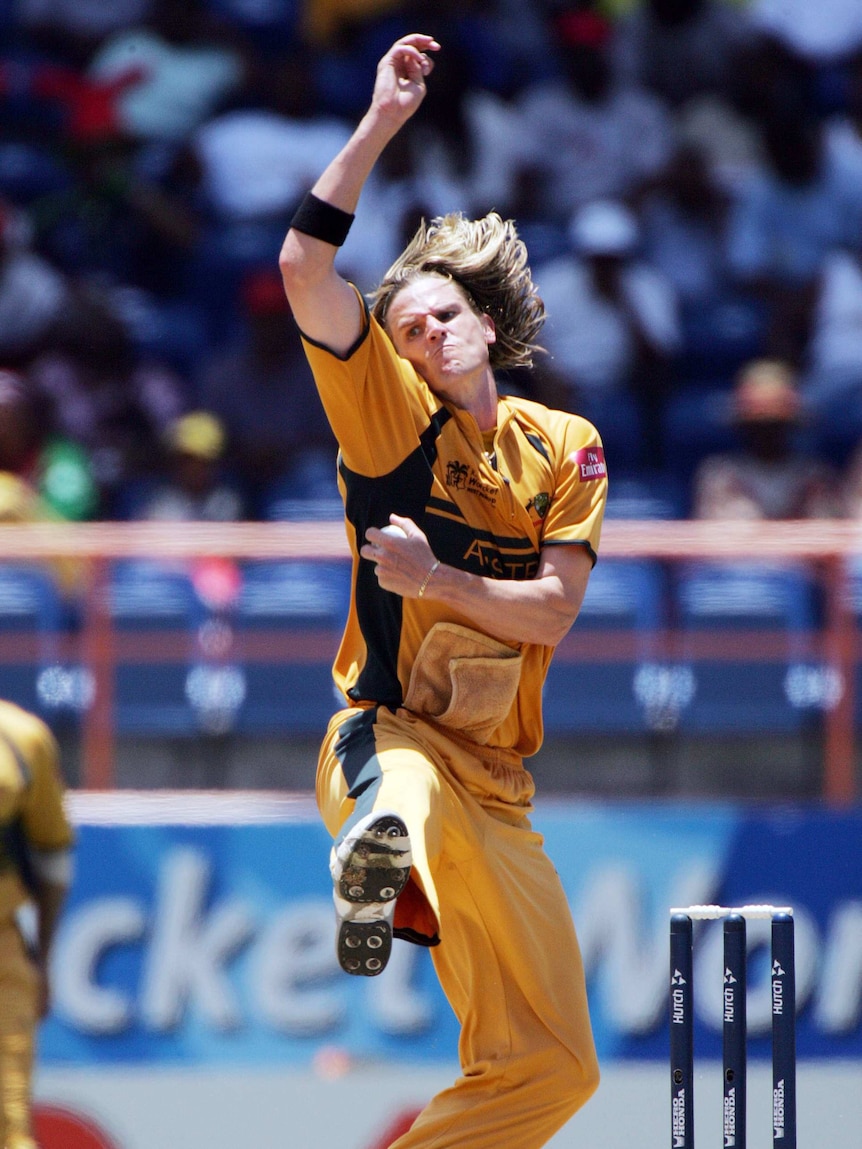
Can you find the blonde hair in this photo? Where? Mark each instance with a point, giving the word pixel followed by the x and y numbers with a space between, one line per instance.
pixel 488 261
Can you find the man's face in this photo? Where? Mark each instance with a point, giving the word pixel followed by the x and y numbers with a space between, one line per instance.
pixel 433 326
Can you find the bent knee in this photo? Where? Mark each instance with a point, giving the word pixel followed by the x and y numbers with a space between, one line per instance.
pixel 577 1077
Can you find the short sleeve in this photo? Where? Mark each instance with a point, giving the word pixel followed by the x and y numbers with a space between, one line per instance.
pixel 578 504
pixel 43 814
pixel 375 402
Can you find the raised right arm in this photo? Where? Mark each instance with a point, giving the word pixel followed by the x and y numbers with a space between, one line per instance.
pixel 325 305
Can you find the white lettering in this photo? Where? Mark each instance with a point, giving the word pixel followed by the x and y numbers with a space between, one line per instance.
pixel 154 959
pixel 81 945
pixel 678 1119
pixel 613 935
pixel 729 1001
pixel 839 1000
pixel 709 966
pixel 678 1010
pixel 730 1118
pixel 296 952
pixel 778 1110
pixel 777 996
pixel 190 947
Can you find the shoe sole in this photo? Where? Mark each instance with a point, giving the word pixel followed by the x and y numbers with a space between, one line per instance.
pixel 364 948
pixel 371 874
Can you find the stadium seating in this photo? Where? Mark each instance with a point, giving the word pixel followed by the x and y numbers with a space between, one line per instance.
pixel 31 622
pixel 854 605
pixel 599 681
pixel 157 618
pixel 646 496
pixel 746 634
pixel 288 619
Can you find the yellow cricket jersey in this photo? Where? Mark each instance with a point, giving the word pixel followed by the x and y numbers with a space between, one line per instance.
pixel 404 451
pixel 31 799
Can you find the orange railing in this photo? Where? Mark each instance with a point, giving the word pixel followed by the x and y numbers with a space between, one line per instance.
pixel 824 547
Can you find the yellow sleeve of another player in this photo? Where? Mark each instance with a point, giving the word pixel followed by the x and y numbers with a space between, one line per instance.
pixel 43 814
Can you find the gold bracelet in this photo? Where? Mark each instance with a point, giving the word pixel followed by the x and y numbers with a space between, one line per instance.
pixel 424 584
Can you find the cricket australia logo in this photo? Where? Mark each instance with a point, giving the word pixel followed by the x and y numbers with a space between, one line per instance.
pixel 540 503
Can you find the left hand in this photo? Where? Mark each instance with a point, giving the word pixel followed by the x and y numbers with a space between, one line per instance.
pixel 401 562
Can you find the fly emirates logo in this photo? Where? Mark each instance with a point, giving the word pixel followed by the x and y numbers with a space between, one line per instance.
pixel 590 462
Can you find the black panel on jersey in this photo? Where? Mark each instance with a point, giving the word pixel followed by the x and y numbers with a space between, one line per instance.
pixel 369 503
pixel 458 544
pixel 407 491
pixel 536 442
pixel 356 751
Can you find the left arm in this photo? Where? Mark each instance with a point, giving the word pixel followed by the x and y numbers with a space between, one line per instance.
pixel 48 900
pixel 50 842
pixel 540 610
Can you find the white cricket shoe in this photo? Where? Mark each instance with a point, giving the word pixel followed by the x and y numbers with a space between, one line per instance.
pixel 369 868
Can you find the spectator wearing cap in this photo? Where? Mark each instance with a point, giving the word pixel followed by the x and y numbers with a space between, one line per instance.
pixel 593 136
pixel 259 385
pixel 770 475
pixel 194 489
pixel 612 324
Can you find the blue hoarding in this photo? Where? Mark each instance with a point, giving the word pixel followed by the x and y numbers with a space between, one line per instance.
pixel 213 944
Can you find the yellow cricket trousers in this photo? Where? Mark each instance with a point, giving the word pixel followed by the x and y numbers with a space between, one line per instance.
pixel 19 985
pixel 508 959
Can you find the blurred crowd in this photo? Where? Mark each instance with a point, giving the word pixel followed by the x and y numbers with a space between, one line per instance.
pixel 687 175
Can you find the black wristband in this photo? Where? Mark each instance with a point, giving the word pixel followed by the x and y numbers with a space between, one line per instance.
pixel 320 220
